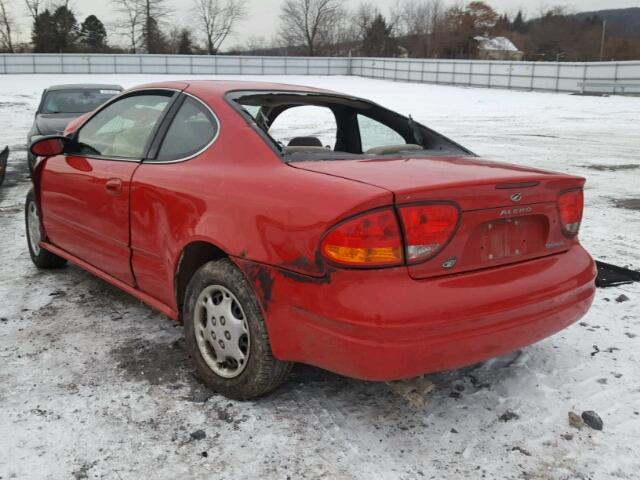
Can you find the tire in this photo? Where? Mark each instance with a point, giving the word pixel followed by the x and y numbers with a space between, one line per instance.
pixel 31 162
pixel 249 369
pixel 40 257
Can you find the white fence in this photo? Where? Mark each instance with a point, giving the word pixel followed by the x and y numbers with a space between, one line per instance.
pixel 547 76
pixel 172 64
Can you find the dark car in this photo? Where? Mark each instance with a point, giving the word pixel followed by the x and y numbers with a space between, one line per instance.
pixel 62 103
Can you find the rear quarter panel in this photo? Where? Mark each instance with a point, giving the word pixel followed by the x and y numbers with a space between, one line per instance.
pixel 240 197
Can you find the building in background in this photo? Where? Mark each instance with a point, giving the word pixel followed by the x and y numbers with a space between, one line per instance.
pixel 497 48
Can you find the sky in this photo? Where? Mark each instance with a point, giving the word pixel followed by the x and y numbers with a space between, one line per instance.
pixel 262 19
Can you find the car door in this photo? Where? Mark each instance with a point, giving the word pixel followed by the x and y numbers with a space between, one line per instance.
pixel 166 194
pixel 84 193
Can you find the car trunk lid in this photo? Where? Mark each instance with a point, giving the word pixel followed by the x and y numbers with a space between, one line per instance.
pixel 509 213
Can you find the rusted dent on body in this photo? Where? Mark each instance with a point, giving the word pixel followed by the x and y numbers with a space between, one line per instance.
pixel 298 277
pixel 262 280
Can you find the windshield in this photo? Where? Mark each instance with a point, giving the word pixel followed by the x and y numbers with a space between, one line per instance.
pixel 310 126
pixel 75 101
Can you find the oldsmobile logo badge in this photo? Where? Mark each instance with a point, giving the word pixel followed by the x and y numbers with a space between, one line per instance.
pixel 516 197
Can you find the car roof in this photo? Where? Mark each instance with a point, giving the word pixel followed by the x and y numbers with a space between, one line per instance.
pixel 222 87
pixel 84 86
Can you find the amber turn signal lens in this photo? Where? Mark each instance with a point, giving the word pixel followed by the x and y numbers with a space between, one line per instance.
pixel 570 206
pixel 369 240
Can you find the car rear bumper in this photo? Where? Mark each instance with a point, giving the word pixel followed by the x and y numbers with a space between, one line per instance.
pixel 383 325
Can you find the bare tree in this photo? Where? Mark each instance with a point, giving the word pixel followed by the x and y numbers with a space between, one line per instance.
pixel 154 14
pixel 140 21
pixel 6 25
pixel 218 19
pixel 34 7
pixel 310 23
pixel 362 18
pixel 418 21
pixel 131 16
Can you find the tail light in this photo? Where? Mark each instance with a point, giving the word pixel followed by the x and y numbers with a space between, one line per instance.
pixel 570 206
pixel 368 240
pixel 427 229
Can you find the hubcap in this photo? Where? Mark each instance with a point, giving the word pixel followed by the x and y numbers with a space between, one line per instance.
pixel 222 332
pixel 33 223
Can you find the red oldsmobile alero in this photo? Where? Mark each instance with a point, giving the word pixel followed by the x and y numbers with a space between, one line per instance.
pixel 288 224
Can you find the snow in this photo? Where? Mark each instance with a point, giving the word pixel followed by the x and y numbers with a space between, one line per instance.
pixel 93 384
pixel 499 44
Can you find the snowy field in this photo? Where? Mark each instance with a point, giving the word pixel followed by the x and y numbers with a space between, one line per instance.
pixel 95 385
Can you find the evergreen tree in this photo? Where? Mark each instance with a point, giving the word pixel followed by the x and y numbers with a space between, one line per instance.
pixel 93 35
pixel 66 30
pixel 518 24
pixel 378 41
pixel 502 25
pixel 185 42
pixel 153 39
pixel 43 33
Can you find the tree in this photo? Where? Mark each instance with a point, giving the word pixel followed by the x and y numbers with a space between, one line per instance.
pixel 33 6
pixel 217 19
pixel 310 23
pixel 43 33
pixel 55 32
pixel 484 17
pixel 378 40
pixel 6 27
pixel 93 35
pixel 419 22
pixel 518 24
pixel 184 42
pixel 154 12
pixel 131 17
pixel 153 40
pixel 66 29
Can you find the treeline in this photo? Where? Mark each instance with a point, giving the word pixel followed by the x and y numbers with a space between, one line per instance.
pixel 426 28
pixel 412 28
pixel 143 26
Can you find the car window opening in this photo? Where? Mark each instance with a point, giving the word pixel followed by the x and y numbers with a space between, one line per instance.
pixel 305 126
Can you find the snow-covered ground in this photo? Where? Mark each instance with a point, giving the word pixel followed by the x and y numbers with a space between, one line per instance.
pixel 93 384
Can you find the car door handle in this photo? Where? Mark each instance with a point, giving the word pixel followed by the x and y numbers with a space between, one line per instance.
pixel 114 186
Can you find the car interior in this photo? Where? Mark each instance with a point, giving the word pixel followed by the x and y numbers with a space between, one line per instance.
pixel 310 126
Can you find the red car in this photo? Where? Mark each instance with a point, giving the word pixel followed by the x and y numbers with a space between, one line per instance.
pixel 289 224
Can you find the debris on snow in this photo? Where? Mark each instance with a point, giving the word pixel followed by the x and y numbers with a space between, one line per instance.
pixel 509 415
pixel 198 435
pixel 592 419
pixel 575 420
pixel 622 298
pixel 521 450
pixel 413 390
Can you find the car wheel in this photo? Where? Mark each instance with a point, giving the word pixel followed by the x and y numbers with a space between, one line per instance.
pixel 39 256
pixel 226 335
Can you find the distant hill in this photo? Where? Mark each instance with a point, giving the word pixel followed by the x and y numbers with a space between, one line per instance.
pixel 624 22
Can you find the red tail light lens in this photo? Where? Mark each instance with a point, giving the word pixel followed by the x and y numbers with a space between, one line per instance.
pixel 369 240
pixel 427 229
pixel 570 205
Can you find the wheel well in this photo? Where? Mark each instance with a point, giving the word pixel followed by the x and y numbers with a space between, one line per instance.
pixel 192 258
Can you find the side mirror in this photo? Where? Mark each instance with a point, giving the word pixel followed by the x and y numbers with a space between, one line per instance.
pixel 49 146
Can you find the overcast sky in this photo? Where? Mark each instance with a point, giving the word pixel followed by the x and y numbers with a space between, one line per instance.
pixel 262 20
